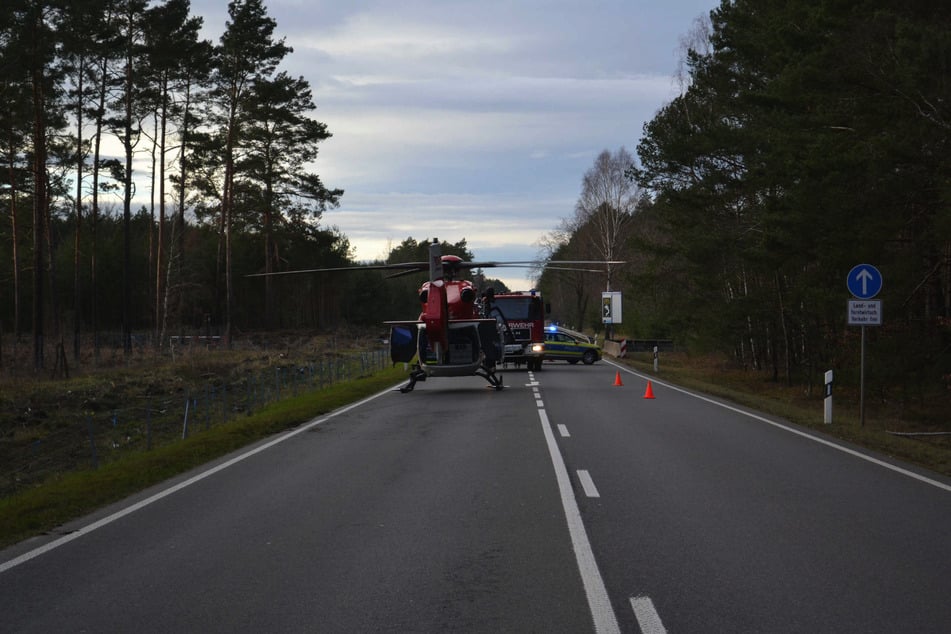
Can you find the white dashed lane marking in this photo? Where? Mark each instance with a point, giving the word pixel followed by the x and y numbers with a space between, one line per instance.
pixel 647 617
pixel 588 484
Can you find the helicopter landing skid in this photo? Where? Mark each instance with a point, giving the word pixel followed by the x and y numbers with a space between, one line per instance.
pixel 416 375
pixel 495 380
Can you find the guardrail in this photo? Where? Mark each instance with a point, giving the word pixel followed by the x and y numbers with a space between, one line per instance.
pixel 621 347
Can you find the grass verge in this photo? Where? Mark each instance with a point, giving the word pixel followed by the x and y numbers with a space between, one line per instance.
pixel 795 404
pixel 67 496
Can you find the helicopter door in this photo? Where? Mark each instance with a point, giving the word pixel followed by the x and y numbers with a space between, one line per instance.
pixel 463 345
pixel 403 343
pixel 491 341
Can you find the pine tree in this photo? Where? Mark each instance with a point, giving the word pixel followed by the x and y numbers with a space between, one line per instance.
pixel 247 52
pixel 171 39
pixel 281 140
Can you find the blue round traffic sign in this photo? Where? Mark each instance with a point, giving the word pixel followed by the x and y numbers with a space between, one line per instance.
pixel 864 281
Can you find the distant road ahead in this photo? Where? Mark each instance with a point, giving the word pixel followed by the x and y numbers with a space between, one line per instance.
pixel 443 510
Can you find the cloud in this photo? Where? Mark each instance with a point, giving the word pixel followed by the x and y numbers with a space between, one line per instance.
pixel 449 216
pixel 473 119
pixel 380 37
pixel 506 126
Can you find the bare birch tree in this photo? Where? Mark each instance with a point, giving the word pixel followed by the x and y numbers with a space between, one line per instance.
pixel 606 206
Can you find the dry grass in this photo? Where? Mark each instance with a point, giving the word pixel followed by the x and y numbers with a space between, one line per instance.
pixel 51 425
pixel 69 445
pixel 927 416
pixel 65 496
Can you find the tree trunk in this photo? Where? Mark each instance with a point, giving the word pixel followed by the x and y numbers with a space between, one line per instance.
pixel 227 212
pixel 40 193
pixel 153 269
pixel 15 240
pixel 127 199
pixel 160 242
pixel 178 230
pixel 94 221
pixel 268 262
pixel 77 250
pixel 785 329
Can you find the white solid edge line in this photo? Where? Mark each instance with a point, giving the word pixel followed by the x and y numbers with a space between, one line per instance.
pixel 588 484
pixel 823 441
pixel 597 595
pixel 65 539
pixel 647 616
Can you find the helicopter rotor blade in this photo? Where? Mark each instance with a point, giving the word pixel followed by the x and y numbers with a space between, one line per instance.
pixel 525 263
pixel 408 268
pixel 567 268
pixel 406 272
pixel 411 267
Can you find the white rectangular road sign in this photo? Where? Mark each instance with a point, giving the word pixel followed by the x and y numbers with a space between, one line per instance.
pixel 611 307
pixel 865 312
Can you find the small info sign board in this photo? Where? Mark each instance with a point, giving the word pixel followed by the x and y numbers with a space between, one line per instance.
pixel 865 312
pixel 864 282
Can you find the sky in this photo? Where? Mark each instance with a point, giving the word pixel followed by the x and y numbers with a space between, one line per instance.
pixel 473 120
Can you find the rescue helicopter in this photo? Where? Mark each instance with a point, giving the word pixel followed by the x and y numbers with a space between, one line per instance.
pixel 458 332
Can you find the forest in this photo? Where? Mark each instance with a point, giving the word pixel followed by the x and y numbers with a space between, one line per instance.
pixel 228 141
pixel 807 137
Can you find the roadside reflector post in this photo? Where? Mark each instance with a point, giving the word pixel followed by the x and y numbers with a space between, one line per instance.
pixel 827 419
pixel 655 359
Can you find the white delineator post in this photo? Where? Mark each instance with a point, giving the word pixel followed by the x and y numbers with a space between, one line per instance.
pixel 827 419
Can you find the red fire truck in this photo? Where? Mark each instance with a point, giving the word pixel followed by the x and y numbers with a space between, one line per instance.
pixel 521 317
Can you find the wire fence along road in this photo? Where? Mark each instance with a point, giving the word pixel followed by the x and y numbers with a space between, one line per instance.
pixel 90 440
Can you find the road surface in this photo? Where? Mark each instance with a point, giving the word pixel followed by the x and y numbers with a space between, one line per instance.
pixel 564 503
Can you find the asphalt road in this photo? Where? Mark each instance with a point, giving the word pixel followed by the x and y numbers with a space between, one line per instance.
pixel 563 503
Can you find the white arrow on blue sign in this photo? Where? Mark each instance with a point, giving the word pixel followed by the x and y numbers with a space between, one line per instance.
pixel 864 281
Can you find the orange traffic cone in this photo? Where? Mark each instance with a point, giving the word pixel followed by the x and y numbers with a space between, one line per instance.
pixel 649 393
pixel 617 379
